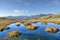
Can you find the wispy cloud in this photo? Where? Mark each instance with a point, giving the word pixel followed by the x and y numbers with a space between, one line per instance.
pixel 19 12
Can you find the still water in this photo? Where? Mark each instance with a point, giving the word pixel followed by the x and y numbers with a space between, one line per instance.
pixel 38 34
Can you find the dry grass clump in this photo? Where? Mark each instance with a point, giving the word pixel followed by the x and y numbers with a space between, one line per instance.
pixel 57 21
pixel 23 21
pixel 48 29
pixel 55 30
pixel 13 34
pixel 27 23
pixel 4 28
pixel 29 27
pixel 4 23
pixel 18 24
pixel 51 29
pixel 33 21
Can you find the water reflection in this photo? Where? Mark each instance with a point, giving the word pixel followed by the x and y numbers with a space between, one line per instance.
pixel 38 34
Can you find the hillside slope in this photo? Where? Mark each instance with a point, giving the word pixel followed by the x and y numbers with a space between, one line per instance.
pixel 55 16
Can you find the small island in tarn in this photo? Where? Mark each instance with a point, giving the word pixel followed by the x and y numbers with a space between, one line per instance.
pixel 13 33
pixel 51 29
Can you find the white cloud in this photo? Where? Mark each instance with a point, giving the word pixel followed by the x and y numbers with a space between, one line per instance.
pixel 17 11
pixel 20 11
pixel 14 13
pixel 24 11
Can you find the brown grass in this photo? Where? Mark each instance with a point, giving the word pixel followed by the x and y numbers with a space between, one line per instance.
pixel 13 33
pixel 29 27
pixel 51 29
pixel 4 23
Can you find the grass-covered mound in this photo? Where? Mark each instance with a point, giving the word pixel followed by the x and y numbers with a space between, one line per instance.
pixel 51 29
pixel 13 33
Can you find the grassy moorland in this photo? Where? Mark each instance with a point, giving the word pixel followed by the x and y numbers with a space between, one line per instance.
pixel 51 29
pixel 13 33
pixel 44 20
pixel 4 24
pixel 50 18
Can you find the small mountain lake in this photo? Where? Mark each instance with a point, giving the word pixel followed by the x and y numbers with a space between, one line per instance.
pixel 38 34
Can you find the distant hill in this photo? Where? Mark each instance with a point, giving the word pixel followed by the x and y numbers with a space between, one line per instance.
pixel 26 17
pixel 54 16
pixel 3 18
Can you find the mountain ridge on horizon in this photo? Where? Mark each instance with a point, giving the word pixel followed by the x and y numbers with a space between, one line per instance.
pixel 26 17
pixel 41 16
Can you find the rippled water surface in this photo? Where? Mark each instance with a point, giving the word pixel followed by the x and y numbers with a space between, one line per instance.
pixel 38 34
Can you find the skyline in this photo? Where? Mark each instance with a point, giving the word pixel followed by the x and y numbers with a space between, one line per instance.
pixel 28 7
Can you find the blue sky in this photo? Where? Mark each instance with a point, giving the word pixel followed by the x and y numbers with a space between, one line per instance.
pixel 28 7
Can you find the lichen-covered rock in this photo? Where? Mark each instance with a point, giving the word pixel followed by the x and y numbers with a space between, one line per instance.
pixel 13 34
